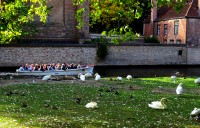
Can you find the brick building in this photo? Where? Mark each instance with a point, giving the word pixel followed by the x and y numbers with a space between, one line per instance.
pixel 173 27
pixel 61 22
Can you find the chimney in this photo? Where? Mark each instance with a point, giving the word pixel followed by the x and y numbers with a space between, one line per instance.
pixel 154 10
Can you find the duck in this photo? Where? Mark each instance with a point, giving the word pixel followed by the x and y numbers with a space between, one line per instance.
pixel 195 112
pixel 179 89
pixel 173 78
pixel 158 104
pixel 119 78
pixel 92 104
pixel 197 81
pixel 97 76
pixel 129 77
pixel 81 77
pixel 47 77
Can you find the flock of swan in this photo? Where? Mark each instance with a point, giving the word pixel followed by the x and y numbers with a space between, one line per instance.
pixel 154 104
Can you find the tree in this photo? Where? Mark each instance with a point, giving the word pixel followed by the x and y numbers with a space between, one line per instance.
pixel 16 17
pixel 123 12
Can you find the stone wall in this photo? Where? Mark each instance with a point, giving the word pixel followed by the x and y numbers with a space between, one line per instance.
pixel 193 56
pixel 118 55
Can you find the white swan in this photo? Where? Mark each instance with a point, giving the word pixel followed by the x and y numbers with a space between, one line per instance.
pixel 179 89
pixel 119 78
pixel 46 78
pixel 173 78
pixel 88 74
pixel 91 105
pixel 129 77
pixel 158 104
pixel 195 112
pixel 97 76
pixel 81 77
pixel 197 81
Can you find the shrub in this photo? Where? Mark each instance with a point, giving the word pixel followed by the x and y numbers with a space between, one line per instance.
pixel 102 50
pixel 151 39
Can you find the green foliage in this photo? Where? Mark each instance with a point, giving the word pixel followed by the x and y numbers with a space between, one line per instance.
pixel 151 39
pixel 102 50
pixel 121 13
pixel 54 104
pixel 16 16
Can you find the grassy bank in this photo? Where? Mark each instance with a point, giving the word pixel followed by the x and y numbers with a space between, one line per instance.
pixel 120 104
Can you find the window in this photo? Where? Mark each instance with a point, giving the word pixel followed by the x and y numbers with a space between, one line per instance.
pixel 171 41
pixel 165 41
pixel 158 30
pixel 165 29
pixel 176 25
pixel 178 41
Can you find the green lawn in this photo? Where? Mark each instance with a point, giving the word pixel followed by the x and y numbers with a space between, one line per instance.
pixel 120 104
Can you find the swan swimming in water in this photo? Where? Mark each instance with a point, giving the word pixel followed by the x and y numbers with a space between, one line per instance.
pixel 91 105
pixel 158 104
pixel 179 89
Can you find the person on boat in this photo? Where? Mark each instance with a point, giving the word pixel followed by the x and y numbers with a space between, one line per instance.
pixel 78 66
pixel 63 66
pixel 36 67
pixel 21 68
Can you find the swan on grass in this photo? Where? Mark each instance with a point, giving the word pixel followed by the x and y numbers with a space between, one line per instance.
pixel 158 104
pixel 46 78
pixel 179 89
pixel 81 77
pixel 97 76
pixel 129 77
pixel 197 81
pixel 88 74
pixel 91 105
pixel 195 112
pixel 119 78
pixel 173 78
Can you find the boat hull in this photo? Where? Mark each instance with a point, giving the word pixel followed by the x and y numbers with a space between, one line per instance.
pixel 56 72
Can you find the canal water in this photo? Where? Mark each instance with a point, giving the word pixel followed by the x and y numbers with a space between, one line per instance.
pixel 138 71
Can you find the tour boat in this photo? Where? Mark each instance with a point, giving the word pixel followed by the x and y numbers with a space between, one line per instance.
pixel 76 71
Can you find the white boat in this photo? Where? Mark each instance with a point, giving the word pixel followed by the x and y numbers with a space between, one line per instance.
pixel 70 72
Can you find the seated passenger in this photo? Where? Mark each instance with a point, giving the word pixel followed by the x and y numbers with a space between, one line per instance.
pixel 36 68
pixel 21 68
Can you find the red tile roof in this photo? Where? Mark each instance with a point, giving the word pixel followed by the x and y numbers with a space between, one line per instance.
pixel 165 12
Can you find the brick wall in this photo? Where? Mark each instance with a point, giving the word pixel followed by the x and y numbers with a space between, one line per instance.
pixel 193 32
pixel 170 36
pixel 62 22
pixel 118 55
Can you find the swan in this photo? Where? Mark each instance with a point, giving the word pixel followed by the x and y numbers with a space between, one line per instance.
pixel 129 77
pixel 197 81
pixel 97 76
pixel 179 89
pixel 81 76
pixel 173 78
pixel 195 112
pixel 88 74
pixel 119 78
pixel 46 78
pixel 158 104
pixel 91 105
